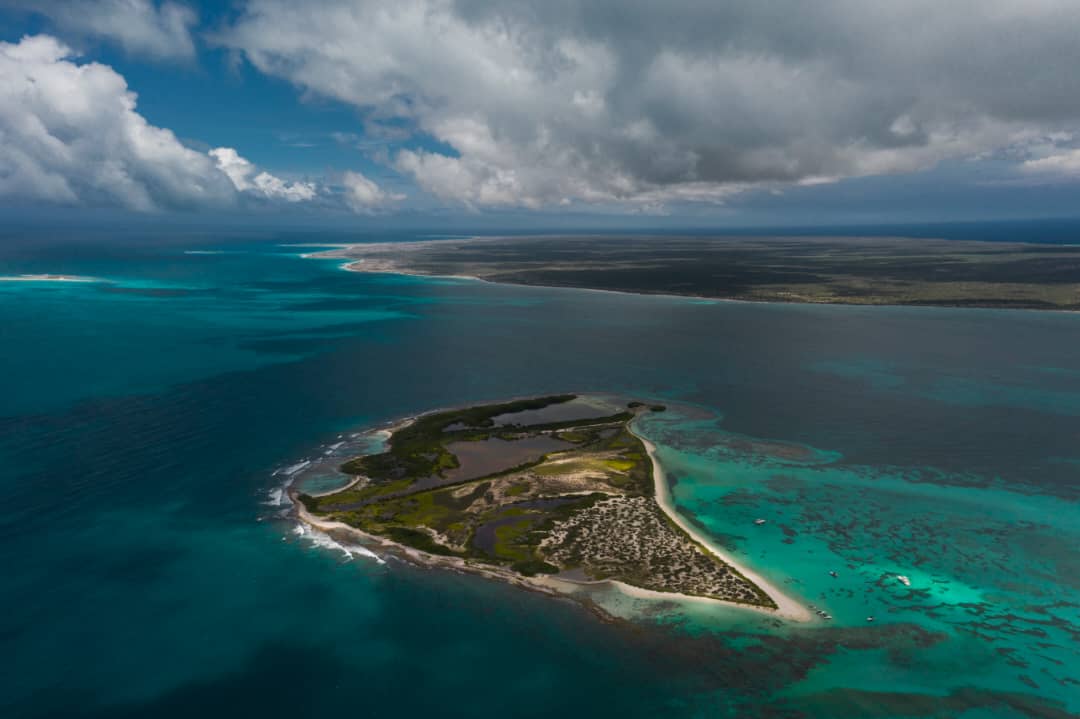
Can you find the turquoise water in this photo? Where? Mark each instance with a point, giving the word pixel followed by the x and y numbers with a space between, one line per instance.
pixel 148 419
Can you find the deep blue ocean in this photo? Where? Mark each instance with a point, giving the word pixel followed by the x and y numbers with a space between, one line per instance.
pixel 148 571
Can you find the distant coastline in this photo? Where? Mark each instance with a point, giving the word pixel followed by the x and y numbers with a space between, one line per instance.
pixel 880 271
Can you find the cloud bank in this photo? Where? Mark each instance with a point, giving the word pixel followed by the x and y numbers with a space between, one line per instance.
pixel 635 101
pixel 364 196
pixel 1062 164
pixel 69 133
pixel 161 31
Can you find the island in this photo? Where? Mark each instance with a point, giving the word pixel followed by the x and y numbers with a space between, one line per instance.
pixel 540 492
pixel 823 270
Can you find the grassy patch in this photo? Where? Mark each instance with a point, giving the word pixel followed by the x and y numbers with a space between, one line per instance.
pixel 511 542
pixel 419 450
pixel 422 509
pixel 419 540
pixel 351 498
pixel 532 567
pixel 574 437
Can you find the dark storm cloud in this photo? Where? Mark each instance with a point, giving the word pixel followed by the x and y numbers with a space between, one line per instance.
pixel 597 100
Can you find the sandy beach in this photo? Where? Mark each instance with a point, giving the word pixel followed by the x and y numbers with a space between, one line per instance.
pixel 424 559
pixel 47 278
pixel 393 266
pixel 787 607
pixel 415 259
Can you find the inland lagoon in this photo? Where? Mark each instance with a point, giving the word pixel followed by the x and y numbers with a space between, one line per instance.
pixel 547 505
pixel 913 473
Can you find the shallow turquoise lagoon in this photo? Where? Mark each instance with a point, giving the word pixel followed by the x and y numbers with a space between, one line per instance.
pixel 148 422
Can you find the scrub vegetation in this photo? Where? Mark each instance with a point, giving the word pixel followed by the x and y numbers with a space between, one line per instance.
pixel 584 505
pixel 830 270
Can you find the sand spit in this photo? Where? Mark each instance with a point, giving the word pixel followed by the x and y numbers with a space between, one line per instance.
pixel 787 607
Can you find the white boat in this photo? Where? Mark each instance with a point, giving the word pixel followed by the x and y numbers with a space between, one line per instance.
pixel 759 521
pixel 904 580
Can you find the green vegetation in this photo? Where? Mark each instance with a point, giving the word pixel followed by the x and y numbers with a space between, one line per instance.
pixel 418 450
pixel 532 567
pixel 836 270
pixel 418 540
pixel 520 514
pixel 517 490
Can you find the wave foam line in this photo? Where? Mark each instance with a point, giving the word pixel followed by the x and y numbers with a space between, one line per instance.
pixel 325 541
pixel 293 468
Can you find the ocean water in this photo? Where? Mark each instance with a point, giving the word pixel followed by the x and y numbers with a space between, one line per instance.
pixel 148 422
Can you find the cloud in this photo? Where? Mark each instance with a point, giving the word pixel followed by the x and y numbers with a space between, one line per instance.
pixel 70 133
pixel 245 178
pixel 365 196
pixel 1065 164
pixel 633 101
pixel 356 193
pixel 161 31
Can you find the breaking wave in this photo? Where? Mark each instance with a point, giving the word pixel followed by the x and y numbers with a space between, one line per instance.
pixel 325 541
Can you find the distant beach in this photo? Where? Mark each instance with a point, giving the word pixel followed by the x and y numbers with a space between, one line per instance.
pixel 47 278
pixel 817 270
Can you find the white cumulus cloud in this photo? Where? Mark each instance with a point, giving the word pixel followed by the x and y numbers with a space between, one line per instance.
pixel 1065 163
pixel 245 177
pixel 70 133
pixel 363 195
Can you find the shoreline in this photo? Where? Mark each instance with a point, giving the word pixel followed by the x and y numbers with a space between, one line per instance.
pixel 553 585
pixel 389 267
pixel 352 265
pixel 47 278
pixel 786 606
pixel 550 585
pixel 423 559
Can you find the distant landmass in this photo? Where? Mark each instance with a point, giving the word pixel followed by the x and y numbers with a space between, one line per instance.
pixel 537 492
pixel 832 270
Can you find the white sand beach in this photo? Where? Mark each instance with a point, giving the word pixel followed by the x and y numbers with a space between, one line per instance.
pixel 787 607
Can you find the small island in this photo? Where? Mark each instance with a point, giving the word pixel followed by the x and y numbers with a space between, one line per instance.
pixel 537 492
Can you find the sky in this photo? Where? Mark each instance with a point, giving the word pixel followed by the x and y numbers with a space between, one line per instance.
pixel 621 112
